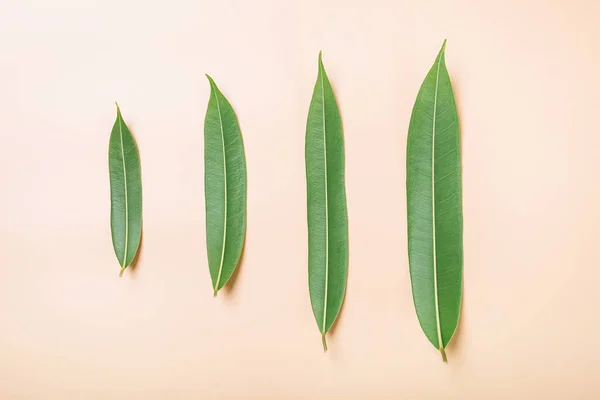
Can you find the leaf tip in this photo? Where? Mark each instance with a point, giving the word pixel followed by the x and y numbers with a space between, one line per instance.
pixel 324 341
pixel 443 49
pixel 210 80
pixel 444 358
pixel 118 108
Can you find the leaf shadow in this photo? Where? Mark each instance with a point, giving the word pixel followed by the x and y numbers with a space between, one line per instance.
pixel 456 343
pixel 229 287
pixel 333 330
pixel 332 333
pixel 457 102
pixel 133 267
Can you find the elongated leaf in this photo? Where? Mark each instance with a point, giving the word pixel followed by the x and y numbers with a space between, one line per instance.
pixel 326 201
pixel 434 205
pixel 125 193
pixel 224 188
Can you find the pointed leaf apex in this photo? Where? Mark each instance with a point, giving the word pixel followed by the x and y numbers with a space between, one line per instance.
pixel 211 81
pixel 444 45
pixel 118 108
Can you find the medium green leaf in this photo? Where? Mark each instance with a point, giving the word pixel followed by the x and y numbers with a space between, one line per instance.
pixel 326 201
pixel 434 205
pixel 224 188
pixel 125 193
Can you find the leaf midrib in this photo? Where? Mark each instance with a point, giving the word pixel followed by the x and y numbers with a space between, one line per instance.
pixel 216 288
pixel 126 195
pixel 435 283
pixel 322 73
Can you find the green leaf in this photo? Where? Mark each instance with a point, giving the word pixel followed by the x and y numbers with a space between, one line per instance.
pixel 434 205
pixel 224 188
pixel 326 205
pixel 125 193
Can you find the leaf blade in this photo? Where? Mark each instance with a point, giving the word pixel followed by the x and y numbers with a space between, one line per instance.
pixel 126 193
pixel 326 204
pixel 434 206
pixel 224 188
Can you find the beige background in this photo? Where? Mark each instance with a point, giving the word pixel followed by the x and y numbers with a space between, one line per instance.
pixel 527 82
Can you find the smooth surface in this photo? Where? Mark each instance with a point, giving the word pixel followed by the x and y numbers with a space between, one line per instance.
pixel 526 76
pixel 434 206
pixel 224 188
pixel 327 211
pixel 125 193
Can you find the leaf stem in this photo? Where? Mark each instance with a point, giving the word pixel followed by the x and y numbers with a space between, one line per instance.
pixel 444 358
pixel 122 270
pixel 324 342
pixel 215 292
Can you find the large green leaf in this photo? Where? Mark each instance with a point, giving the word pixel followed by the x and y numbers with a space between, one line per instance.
pixel 326 198
pixel 125 193
pixel 434 203
pixel 224 188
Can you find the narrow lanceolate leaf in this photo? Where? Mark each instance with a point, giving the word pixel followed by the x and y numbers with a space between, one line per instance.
pixel 125 193
pixel 326 201
pixel 434 203
pixel 224 188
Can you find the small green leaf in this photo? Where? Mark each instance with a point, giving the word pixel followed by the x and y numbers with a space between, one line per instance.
pixel 125 193
pixel 326 205
pixel 224 188
pixel 434 206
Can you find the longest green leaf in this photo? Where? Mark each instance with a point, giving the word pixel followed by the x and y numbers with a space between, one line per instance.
pixel 434 205
pixel 326 201
pixel 125 193
pixel 224 188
